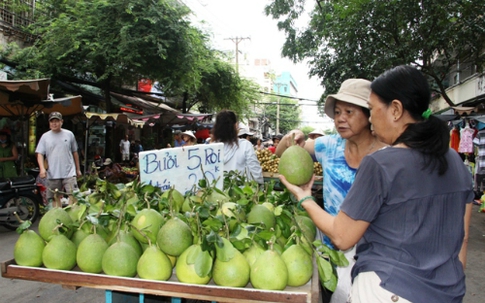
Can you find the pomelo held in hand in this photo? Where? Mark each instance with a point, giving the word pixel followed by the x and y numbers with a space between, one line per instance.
pixel 296 165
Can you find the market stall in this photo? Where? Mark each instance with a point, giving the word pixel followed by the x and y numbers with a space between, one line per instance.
pixel 21 99
pixel 75 278
pixel 94 136
pixel 218 272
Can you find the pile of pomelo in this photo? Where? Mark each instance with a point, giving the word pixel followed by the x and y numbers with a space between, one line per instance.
pixel 241 237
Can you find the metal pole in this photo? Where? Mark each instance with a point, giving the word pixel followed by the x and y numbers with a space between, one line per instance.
pixel 278 109
pixel 86 134
pixel 278 117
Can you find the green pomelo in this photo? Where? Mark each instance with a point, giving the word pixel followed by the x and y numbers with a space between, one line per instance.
pixel 59 253
pixel 216 197
pixel 299 265
pixel 78 236
pixel 28 249
pixel 149 222
pixel 296 165
pixel 269 272
pixel 76 211
pixel 186 205
pixel 260 214
pixel 269 206
pixel 173 260
pixel 174 237
pixel 186 271
pixel 253 253
pixel 120 259
pixel 154 265
pixel 90 253
pixel 48 223
pixel 127 237
pixel 307 227
pixel 175 198
pixel 234 273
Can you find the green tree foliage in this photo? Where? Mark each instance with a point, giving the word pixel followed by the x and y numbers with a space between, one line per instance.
pixel 289 113
pixel 306 130
pixel 224 88
pixel 114 43
pixel 362 38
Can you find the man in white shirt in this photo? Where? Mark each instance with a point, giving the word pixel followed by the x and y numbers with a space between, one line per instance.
pixel 125 149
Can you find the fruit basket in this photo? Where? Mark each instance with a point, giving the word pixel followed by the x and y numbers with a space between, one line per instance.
pixel 73 279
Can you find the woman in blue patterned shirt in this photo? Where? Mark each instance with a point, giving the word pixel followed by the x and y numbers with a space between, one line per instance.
pixel 340 156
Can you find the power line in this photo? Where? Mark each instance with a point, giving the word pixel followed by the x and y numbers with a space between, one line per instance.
pixel 288 97
pixel 289 104
pixel 237 40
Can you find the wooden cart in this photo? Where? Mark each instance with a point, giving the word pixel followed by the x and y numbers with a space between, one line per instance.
pixel 73 279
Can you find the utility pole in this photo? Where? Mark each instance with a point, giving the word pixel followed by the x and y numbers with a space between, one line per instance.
pixel 278 109
pixel 237 40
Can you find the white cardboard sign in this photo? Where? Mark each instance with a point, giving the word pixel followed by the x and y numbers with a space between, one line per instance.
pixel 182 166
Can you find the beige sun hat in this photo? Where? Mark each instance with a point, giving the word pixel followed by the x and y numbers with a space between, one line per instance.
pixel 353 91
pixel 188 133
pixel 317 131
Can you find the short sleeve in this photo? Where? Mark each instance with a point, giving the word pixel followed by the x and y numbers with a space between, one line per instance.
pixel 74 147
pixel 252 162
pixel 368 192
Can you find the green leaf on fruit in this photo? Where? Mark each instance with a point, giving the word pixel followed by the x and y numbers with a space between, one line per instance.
pixel 226 251
pixel 325 269
pixel 331 284
pixel 203 263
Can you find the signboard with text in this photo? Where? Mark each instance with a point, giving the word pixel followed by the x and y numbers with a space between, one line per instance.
pixel 182 167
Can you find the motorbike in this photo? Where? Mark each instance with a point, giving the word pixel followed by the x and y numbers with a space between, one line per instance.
pixel 21 196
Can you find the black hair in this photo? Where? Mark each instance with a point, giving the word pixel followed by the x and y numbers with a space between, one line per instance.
pixel 224 129
pixel 430 135
pixel 9 139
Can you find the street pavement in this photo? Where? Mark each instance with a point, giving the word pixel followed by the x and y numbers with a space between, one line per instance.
pixel 21 291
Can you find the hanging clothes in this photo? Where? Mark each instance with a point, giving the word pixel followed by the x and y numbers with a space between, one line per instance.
pixel 455 138
pixel 480 163
pixel 466 139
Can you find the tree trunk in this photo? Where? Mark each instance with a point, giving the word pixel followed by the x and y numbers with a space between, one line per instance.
pixel 108 152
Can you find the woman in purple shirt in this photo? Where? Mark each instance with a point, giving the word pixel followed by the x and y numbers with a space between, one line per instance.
pixel 409 206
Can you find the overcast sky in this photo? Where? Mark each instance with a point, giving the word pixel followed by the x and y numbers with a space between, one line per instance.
pixel 246 19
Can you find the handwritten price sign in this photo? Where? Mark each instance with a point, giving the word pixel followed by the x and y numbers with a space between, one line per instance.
pixel 182 167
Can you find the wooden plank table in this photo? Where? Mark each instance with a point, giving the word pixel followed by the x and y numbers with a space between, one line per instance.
pixel 73 279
